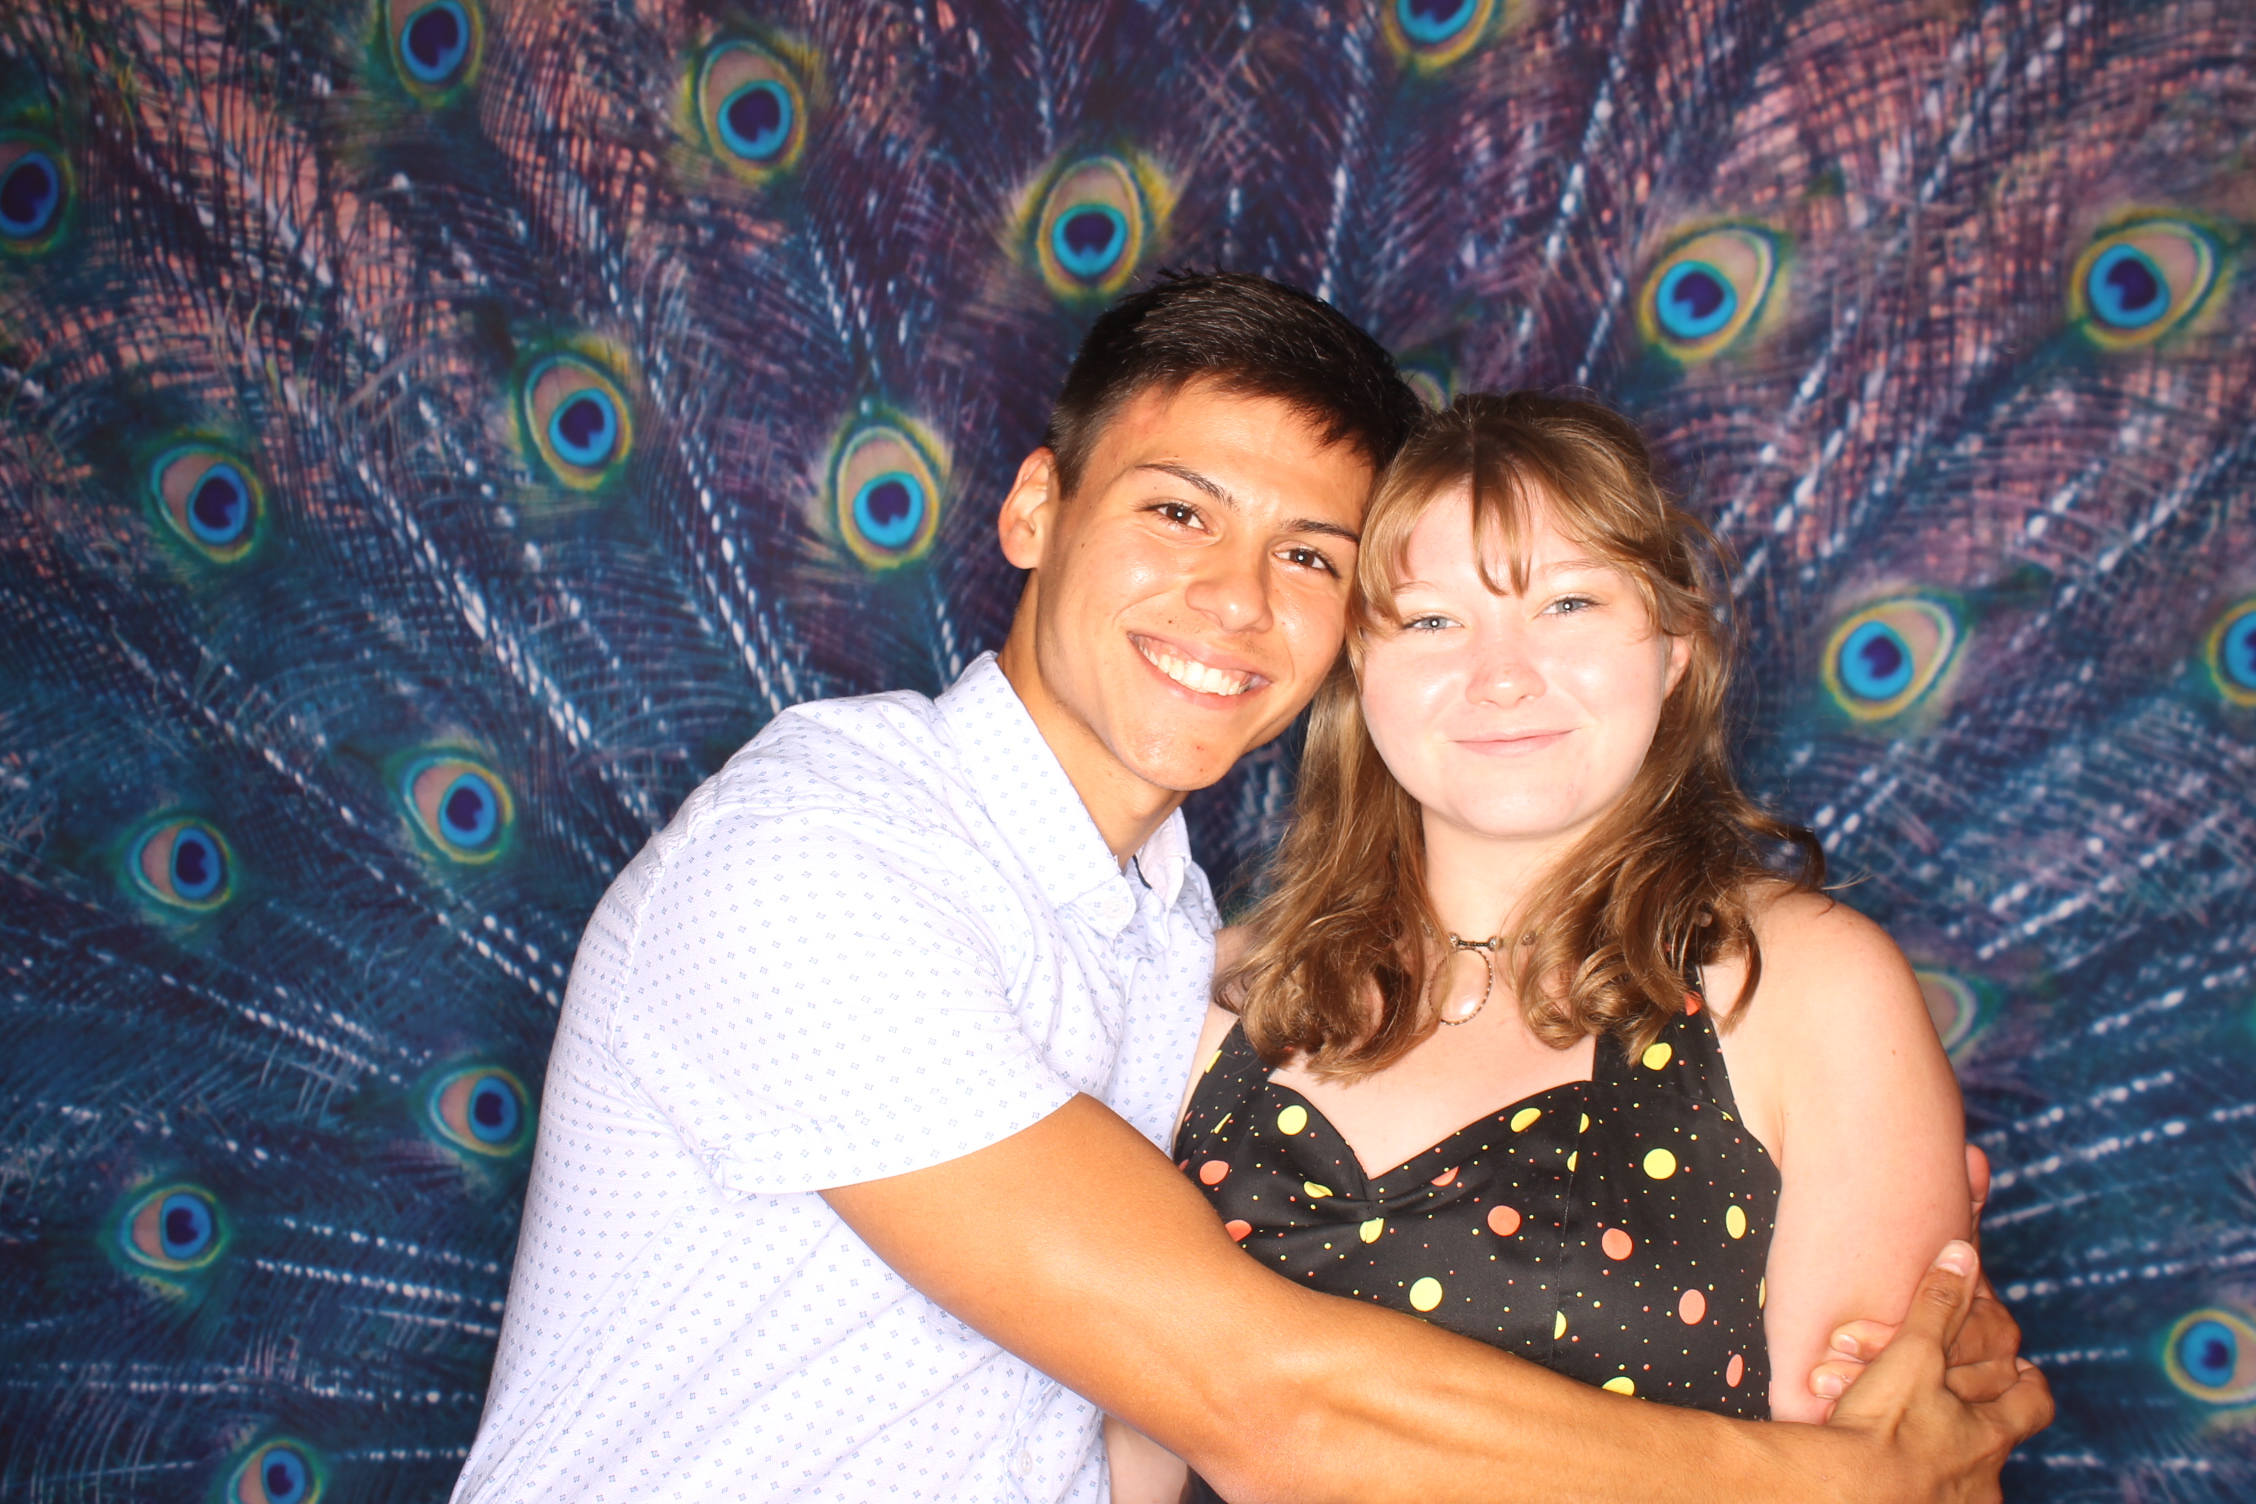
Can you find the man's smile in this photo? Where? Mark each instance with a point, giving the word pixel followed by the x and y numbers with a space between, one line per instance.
pixel 1205 678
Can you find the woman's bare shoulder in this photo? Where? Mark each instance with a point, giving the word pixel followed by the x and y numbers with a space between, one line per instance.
pixel 1230 947
pixel 1830 976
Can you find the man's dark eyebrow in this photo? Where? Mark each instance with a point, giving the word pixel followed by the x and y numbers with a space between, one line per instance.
pixel 1190 477
pixel 1221 493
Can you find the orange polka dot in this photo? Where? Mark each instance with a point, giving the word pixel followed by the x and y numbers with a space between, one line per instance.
pixel 1735 1370
pixel 1691 1004
pixel 1446 1177
pixel 1616 1243
pixel 1237 1230
pixel 1691 1308
pixel 1503 1221
pixel 1212 1171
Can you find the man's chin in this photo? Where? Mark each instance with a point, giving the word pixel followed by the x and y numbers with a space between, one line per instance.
pixel 1186 770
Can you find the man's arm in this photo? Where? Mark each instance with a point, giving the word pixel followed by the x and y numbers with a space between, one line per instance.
pixel 1077 1246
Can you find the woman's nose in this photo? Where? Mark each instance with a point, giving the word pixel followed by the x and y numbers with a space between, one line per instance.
pixel 1504 673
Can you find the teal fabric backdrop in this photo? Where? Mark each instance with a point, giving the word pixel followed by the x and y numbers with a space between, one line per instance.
pixel 435 433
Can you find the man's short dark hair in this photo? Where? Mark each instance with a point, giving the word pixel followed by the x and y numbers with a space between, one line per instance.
pixel 1251 337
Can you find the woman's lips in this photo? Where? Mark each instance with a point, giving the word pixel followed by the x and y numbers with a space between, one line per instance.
pixel 1516 744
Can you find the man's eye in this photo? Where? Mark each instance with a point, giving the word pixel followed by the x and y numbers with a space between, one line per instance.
pixel 1309 558
pixel 1177 513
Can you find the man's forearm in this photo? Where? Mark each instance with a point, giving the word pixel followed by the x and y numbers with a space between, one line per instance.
pixel 1378 1407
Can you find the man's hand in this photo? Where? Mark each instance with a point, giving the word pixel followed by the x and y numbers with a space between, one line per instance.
pixel 1984 1358
pixel 1899 1401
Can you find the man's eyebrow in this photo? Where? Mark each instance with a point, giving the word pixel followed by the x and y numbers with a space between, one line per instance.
pixel 1221 493
pixel 1327 529
pixel 1190 477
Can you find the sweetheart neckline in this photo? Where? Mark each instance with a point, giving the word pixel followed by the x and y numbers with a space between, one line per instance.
pixel 1319 1115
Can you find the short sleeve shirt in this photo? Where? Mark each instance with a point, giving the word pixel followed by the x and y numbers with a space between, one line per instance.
pixel 886 935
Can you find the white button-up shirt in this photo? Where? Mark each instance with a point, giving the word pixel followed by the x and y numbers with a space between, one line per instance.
pixel 885 935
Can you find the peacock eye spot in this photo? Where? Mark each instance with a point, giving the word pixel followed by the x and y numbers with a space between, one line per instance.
pixel 887 491
pixel 579 422
pixel 1705 293
pixel 31 195
pixel 182 864
pixel 434 42
pixel 888 509
pixel 1884 659
pixel 753 110
pixel 1695 300
pixel 756 121
pixel 1956 1005
pixel 2137 282
pixel 1431 33
pixel 459 806
pixel 481 1108
pixel 2211 1355
pixel 1090 239
pixel 210 499
pixel 1092 228
pixel 586 428
pixel 2232 653
pixel 278 1472
pixel 171 1230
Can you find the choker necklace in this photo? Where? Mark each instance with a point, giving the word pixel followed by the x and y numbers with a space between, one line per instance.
pixel 1486 950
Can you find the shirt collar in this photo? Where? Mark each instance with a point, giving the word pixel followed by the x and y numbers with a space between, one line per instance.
pixel 1023 788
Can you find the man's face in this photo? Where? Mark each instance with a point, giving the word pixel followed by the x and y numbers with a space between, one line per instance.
pixel 1188 601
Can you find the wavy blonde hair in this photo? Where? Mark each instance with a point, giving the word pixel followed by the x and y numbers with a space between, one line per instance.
pixel 1661 884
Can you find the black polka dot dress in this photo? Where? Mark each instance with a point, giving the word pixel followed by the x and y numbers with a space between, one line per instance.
pixel 1613 1229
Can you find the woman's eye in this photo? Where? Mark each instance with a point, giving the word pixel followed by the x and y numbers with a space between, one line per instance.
pixel 1571 605
pixel 1425 624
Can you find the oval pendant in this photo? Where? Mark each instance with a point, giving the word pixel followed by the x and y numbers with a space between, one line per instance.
pixel 1462 982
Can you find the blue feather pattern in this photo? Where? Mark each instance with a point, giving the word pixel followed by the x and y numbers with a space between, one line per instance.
pixel 437 432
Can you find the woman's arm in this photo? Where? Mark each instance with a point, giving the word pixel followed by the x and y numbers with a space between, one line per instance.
pixel 1143 1471
pixel 1838 1071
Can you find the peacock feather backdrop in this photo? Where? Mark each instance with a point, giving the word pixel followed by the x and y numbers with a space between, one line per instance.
pixel 435 433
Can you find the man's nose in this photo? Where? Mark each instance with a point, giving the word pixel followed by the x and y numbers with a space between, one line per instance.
pixel 1231 589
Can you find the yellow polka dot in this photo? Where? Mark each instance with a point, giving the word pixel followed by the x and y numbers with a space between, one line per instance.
pixel 1572 1158
pixel 1735 1221
pixel 1558 1326
pixel 1620 1383
pixel 1762 1293
pixel 1425 1294
pixel 1315 1192
pixel 1211 1060
pixel 1292 1119
pixel 1524 1117
pixel 1657 1055
pixel 1371 1229
pixel 1660 1164
pixel 1584 1125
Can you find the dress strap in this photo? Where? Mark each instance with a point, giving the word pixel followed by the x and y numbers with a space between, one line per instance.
pixel 1687 1057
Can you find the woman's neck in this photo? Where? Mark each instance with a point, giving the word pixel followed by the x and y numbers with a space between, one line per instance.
pixel 1477 884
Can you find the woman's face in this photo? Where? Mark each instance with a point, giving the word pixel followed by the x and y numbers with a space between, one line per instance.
pixel 1514 717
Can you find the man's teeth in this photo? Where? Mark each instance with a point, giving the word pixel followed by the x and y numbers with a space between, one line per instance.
pixel 1198 676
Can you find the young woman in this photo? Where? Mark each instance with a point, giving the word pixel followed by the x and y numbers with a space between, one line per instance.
pixel 1544 1031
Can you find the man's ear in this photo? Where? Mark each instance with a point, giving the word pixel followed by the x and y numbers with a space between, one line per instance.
pixel 1028 519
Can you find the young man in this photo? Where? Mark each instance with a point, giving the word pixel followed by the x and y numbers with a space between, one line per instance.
pixel 846 1186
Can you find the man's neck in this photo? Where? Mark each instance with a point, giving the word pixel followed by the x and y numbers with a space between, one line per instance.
pixel 1125 808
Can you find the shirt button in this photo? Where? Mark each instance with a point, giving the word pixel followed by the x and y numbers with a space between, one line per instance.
pixel 1023 1464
